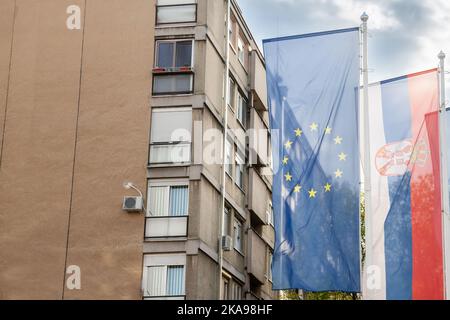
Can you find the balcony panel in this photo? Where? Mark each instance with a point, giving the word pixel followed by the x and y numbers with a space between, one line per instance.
pixel 258 140
pixel 257 257
pixel 258 197
pixel 162 227
pixel 258 82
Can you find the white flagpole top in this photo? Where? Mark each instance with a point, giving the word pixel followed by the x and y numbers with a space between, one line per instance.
pixel 441 55
pixel 364 17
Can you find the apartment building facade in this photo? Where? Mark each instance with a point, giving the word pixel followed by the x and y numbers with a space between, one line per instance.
pixel 136 94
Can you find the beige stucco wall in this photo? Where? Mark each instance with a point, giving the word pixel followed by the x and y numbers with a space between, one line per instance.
pixel 50 122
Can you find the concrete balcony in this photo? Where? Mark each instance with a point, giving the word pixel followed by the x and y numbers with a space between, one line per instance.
pixel 258 197
pixel 258 82
pixel 258 141
pixel 256 264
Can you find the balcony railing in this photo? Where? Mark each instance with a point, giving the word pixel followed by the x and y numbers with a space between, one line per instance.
pixel 166 226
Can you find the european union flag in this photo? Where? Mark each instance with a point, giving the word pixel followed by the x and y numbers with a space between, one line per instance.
pixel 313 83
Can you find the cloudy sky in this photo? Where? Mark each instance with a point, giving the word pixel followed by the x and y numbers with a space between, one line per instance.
pixel 405 35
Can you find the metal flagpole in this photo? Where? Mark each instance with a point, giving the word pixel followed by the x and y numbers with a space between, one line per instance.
pixel 224 147
pixel 444 175
pixel 367 179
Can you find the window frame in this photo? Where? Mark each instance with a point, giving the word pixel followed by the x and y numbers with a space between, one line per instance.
pixel 232 86
pixel 269 266
pixel 167 184
pixel 233 28
pixel 240 168
pixel 195 4
pixel 226 221
pixel 236 291
pixel 170 143
pixel 240 224
pixel 241 110
pixel 174 41
pixel 166 281
pixel 241 50
pixel 229 147
pixel 166 261
pixel 270 216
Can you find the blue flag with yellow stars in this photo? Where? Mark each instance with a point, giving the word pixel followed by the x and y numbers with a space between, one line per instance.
pixel 313 87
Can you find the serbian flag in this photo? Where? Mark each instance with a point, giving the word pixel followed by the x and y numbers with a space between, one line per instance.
pixel 406 220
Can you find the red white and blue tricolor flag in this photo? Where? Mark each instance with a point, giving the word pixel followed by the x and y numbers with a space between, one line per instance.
pixel 406 219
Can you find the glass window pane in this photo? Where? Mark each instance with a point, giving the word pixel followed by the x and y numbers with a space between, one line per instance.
pixel 156 282
pixel 170 154
pixel 158 201
pixel 171 126
pixel 225 289
pixel 184 54
pixel 229 157
pixel 179 200
pixel 165 54
pixel 232 93
pixel 270 266
pixel 242 110
pixel 237 235
pixel 226 222
pixel 176 14
pixel 175 280
pixel 166 84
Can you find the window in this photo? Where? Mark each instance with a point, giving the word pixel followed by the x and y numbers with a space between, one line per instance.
pixel 238 235
pixel 240 165
pixel 269 152
pixel 241 51
pixel 269 267
pixel 173 63
pixel 242 110
pixel 173 54
pixel 164 276
pixel 270 220
pixel 225 288
pixel 232 94
pixel 226 222
pixel 232 31
pixel 236 292
pixel 171 136
pixel 229 157
pixel 167 209
pixel 165 281
pixel 169 201
pixel 176 11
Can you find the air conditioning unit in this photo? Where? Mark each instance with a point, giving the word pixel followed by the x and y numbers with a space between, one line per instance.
pixel 227 243
pixel 133 204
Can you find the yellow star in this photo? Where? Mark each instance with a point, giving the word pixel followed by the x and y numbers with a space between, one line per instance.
pixel 314 126
pixel 285 160
pixel 338 173
pixel 297 188
pixel 298 132
pixel 342 157
pixel 312 193
pixel 328 130
pixel 288 177
pixel 338 140
pixel 327 187
pixel 288 145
